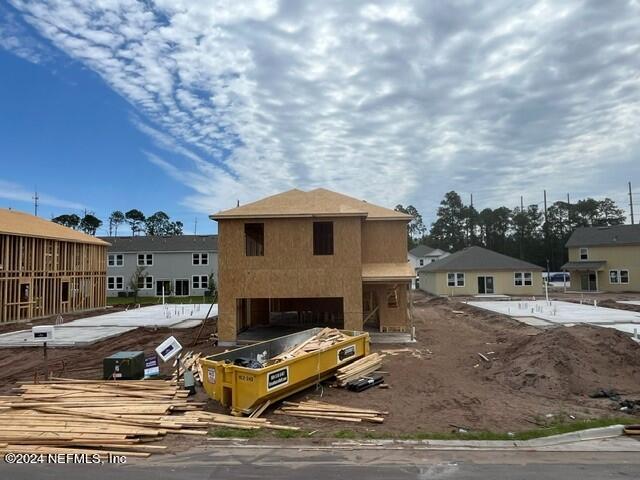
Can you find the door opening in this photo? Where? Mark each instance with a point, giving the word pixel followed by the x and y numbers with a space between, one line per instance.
pixel 485 285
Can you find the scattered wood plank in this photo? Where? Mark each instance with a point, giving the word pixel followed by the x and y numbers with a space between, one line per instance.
pixel 328 411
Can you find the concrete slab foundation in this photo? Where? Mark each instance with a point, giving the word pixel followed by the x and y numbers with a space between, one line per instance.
pixel 564 313
pixel 88 330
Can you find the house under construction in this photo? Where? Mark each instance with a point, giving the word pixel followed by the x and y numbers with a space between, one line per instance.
pixel 317 258
pixel 47 269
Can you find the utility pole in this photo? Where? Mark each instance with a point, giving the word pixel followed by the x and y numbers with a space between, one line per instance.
pixel 36 198
pixel 472 200
pixel 631 203
pixel 545 206
pixel 195 226
pixel 521 224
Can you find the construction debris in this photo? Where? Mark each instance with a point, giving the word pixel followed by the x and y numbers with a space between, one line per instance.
pixel 325 338
pixel 364 383
pixel 328 411
pixel 102 417
pixel 358 369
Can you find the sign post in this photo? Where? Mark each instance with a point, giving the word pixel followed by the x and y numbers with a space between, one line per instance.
pixel 42 333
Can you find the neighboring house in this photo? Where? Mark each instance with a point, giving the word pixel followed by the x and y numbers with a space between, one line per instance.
pixel 478 271
pixel 605 259
pixel 324 257
pixel 178 265
pixel 47 269
pixel 422 255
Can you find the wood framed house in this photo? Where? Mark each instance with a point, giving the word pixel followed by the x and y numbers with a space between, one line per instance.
pixel 604 259
pixel 47 269
pixel 312 258
pixel 479 271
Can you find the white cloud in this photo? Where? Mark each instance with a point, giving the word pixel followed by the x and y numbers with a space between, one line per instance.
pixel 15 38
pixel 18 193
pixel 393 101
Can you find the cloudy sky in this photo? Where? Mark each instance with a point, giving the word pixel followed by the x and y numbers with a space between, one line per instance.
pixel 188 106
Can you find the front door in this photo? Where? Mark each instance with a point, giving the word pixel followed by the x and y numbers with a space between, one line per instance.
pixel 588 282
pixel 182 288
pixel 485 285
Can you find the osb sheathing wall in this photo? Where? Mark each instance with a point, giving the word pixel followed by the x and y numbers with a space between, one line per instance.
pixel 384 241
pixel 40 277
pixel 288 268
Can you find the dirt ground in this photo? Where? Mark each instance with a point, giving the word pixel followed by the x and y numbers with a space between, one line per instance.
pixel 443 385
pixel 532 373
pixel 21 364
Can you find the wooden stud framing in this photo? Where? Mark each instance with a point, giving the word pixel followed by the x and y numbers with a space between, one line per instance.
pixel 35 272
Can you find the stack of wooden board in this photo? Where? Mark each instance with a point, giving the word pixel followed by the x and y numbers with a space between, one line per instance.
pixel 191 362
pixel 102 417
pixel 328 411
pixel 358 369
pixel 325 338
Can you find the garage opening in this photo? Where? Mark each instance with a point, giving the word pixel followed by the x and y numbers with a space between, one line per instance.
pixel 266 318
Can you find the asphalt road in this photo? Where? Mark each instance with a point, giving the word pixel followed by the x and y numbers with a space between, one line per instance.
pixel 221 463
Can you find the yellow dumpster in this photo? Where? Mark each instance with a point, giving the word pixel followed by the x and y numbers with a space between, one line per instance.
pixel 244 389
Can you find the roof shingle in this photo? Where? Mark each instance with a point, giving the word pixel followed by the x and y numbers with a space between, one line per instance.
pixel 478 258
pixel 174 243
pixel 595 236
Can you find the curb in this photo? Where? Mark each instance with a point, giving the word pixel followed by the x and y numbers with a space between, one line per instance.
pixel 564 438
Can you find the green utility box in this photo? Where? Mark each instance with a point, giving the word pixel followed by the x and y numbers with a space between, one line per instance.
pixel 124 366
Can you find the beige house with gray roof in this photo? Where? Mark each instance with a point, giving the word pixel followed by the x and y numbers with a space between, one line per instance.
pixel 478 271
pixel 604 259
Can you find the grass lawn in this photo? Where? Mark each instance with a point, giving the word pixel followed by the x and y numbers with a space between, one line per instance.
pixel 553 429
pixel 156 300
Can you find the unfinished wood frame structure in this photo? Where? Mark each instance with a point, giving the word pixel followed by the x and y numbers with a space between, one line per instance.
pixel 47 269
pixel 355 276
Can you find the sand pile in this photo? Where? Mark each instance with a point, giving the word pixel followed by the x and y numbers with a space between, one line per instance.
pixel 567 361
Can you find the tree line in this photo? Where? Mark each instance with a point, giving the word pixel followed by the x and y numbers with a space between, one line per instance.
pixel 526 233
pixel 157 224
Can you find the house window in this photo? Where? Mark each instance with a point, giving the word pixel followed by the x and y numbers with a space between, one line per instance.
pixel 522 279
pixel 145 283
pixel 421 261
pixel 624 276
pixel 115 283
pixel 145 259
pixel 323 238
pixel 455 279
pixel 618 276
pixel 199 281
pixel 584 254
pixel 254 239
pixel 200 259
pixel 115 260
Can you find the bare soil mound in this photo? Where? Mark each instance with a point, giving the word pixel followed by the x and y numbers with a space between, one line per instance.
pixel 567 361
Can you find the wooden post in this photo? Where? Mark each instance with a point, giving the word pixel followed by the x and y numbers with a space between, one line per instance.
pixel 46 361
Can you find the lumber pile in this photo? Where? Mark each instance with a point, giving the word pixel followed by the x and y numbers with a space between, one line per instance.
pixel 325 338
pixel 358 369
pixel 104 417
pixel 328 411
pixel 189 362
